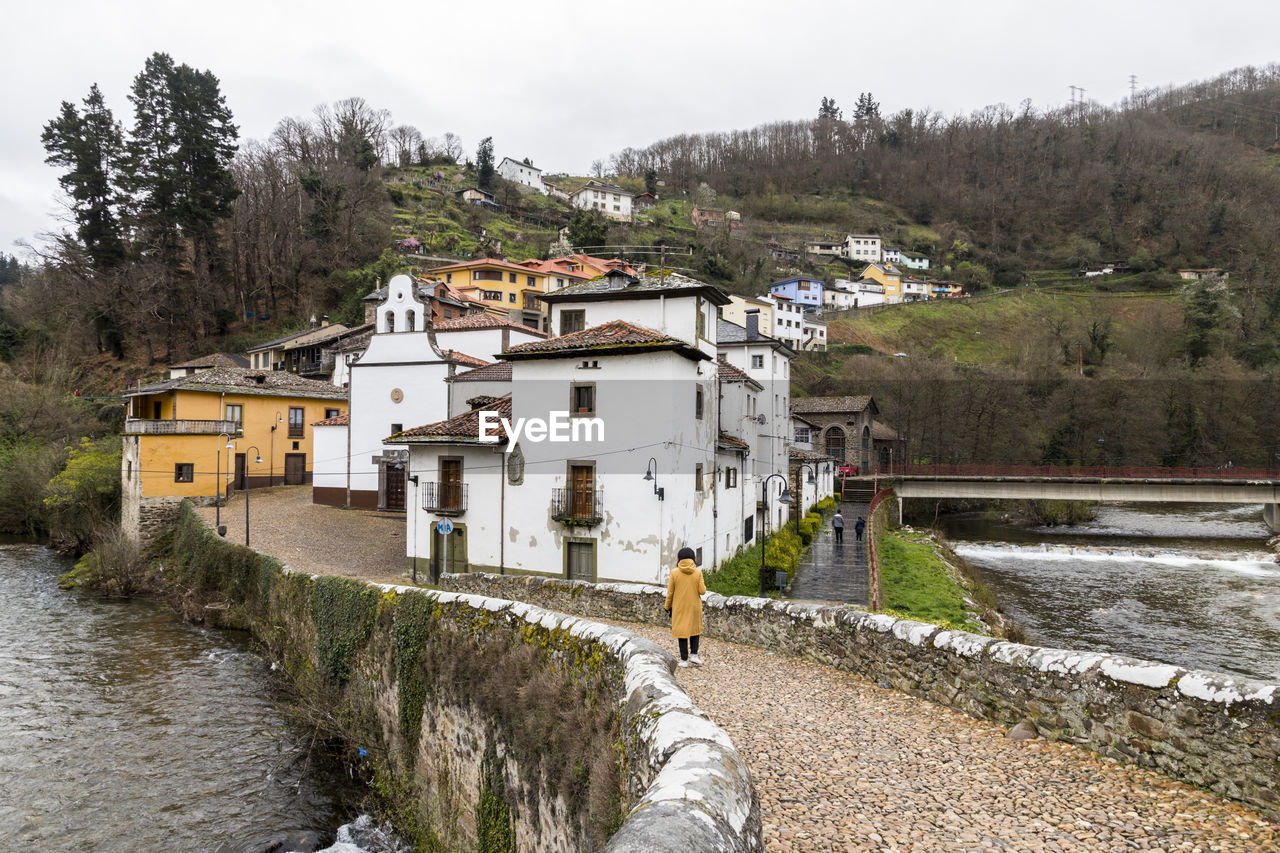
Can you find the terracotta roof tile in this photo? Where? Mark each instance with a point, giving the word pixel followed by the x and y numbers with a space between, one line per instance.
pixel 217 359
pixel 481 321
pixel 463 358
pixel 276 383
pixel 733 442
pixel 500 372
pixel 340 420
pixel 614 335
pixel 460 429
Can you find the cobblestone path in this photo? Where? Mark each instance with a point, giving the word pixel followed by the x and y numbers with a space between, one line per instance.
pixel 284 523
pixel 842 764
pixel 832 572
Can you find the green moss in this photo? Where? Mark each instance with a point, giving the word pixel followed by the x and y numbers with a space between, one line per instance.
pixel 493 815
pixel 413 624
pixel 344 611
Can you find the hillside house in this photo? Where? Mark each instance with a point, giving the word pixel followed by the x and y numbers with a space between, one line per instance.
pixel 738 306
pixel 476 196
pixel 644 201
pixel 1201 274
pixel 824 250
pixel 521 172
pixel 788 320
pixel 889 277
pixel 803 291
pixel 862 247
pixel 914 261
pixel 506 289
pixel 611 201
pixel 890 254
pixel 303 353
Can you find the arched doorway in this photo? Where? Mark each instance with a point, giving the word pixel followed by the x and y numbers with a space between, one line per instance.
pixel 833 443
pixel 867 456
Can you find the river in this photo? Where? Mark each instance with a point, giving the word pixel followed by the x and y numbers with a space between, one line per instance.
pixel 1187 584
pixel 125 729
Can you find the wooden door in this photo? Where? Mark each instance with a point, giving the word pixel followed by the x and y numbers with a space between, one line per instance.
pixel 237 482
pixel 295 469
pixel 395 488
pixel 580 559
pixel 581 490
pixel 451 484
pixel 455 561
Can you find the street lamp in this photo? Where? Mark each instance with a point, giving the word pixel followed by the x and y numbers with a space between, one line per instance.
pixel 785 498
pixel 257 461
pixel 651 476
pixel 271 477
pixel 217 512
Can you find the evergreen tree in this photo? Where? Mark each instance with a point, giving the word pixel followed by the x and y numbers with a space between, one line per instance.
pixel 179 158
pixel 828 109
pixel 587 230
pixel 90 147
pixel 651 181
pixel 484 164
pixel 866 108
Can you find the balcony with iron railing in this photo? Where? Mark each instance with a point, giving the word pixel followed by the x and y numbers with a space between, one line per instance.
pixel 140 426
pixel 444 498
pixel 577 507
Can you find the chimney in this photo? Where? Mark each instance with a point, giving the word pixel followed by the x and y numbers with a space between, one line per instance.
pixel 753 323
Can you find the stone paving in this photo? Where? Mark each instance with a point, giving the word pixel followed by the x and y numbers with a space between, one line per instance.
pixel 832 572
pixel 841 764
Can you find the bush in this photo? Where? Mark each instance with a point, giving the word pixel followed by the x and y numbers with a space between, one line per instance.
pixel 115 566
pixel 25 471
pixel 84 497
pixel 740 574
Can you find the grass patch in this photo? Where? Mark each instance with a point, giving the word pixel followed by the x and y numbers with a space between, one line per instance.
pixel 915 583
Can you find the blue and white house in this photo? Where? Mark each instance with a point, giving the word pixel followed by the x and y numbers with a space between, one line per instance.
pixel 802 291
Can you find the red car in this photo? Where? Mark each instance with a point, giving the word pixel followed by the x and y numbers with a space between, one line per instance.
pixel 847 470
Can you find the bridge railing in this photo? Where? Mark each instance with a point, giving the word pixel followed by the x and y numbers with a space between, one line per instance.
pixel 1129 472
pixel 873 563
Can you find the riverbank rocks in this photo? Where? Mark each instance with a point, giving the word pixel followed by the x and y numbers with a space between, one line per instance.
pixel 1212 730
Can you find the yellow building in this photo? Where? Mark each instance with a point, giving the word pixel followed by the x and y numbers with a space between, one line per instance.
pixel 506 289
pixel 890 277
pixel 177 432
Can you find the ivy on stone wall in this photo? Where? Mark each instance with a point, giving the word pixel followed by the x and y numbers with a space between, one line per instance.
pixel 411 631
pixel 493 814
pixel 344 611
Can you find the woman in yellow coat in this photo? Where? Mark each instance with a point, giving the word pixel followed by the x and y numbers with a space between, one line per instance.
pixel 684 602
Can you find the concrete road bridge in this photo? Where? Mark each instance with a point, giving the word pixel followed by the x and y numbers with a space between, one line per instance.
pixel 1087 483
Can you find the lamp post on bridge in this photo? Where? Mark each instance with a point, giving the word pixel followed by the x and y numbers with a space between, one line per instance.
pixel 785 498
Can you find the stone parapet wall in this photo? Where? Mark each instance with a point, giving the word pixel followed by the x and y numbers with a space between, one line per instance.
pixel 416 676
pixel 1212 730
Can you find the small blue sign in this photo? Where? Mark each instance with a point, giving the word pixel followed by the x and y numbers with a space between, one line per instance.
pixel 444 527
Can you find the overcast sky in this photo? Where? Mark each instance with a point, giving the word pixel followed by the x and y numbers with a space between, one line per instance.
pixel 565 83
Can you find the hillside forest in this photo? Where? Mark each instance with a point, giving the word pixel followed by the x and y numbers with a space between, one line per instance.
pixel 180 239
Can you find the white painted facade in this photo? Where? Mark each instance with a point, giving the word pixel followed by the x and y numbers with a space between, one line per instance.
pixel 398 382
pixel 913 261
pixel 915 290
pixel 521 173
pixel 329 446
pixel 891 254
pixel 648 404
pixel 613 202
pixel 483 343
pixel 813 334
pixel 863 247
pixel 788 322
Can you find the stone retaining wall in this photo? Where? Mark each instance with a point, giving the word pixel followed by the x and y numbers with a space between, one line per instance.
pixel 1212 730
pixel 415 675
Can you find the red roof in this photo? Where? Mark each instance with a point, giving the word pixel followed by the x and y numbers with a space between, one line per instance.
pixel 500 372
pixel 481 321
pixel 463 428
pixel 615 333
pixel 463 358
pixel 340 420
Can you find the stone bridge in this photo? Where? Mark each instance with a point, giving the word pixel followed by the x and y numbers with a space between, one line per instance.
pixel 1081 483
